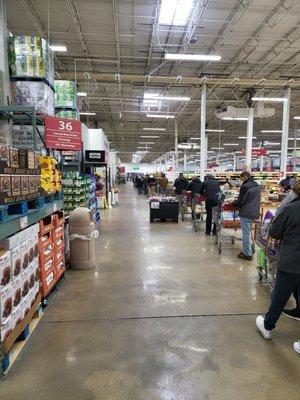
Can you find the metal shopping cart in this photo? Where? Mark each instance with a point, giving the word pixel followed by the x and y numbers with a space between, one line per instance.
pixel 186 204
pixel 198 211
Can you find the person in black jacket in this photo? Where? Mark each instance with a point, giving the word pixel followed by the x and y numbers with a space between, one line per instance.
pixel 180 184
pixel 210 190
pixel 248 204
pixel 195 187
pixel 286 229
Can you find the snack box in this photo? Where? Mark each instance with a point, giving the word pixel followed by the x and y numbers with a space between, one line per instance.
pixel 16 288
pixel 16 262
pixel 14 158
pixel 31 184
pixel 24 184
pixel 37 183
pixel 33 250
pixel 16 316
pixel 26 159
pixel 6 328
pixel 36 160
pixel 5 186
pixel 25 254
pixel 25 283
pixel 4 154
pixel 5 268
pixel 16 185
pixel 6 303
pixel 31 277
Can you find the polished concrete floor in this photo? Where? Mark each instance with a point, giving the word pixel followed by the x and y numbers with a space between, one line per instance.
pixel 162 317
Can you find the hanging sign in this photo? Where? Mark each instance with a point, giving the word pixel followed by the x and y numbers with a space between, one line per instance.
pixel 261 151
pixel 63 134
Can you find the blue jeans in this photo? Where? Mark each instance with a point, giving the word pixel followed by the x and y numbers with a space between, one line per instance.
pixel 246 230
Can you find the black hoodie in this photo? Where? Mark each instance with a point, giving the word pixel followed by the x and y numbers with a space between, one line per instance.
pixel 195 186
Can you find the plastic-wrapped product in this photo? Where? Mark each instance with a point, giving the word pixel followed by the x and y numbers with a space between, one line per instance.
pixel 65 94
pixel 69 114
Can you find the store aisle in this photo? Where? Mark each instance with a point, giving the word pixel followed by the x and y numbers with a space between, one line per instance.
pixel 163 317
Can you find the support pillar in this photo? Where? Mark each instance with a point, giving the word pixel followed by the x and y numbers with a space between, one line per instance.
pixel 285 131
pixel 202 133
pixel 261 166
pixel 234 162
pixel 176 149
pixel 249 139
pixel 184 161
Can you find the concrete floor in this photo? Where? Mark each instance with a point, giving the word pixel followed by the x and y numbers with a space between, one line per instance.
pixel 162 317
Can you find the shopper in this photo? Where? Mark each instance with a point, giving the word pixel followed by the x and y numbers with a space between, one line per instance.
pixel 180 184
pixel 139 184
pixel 145 184
pixel 210 189
pixel 248 204
pixel 163 184
pixel 195 185
pixel 286 229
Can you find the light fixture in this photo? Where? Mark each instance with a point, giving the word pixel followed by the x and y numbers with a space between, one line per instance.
pixel 154 129
pixel 148 96
pixel 218 148
pixel 86 113
pixel 294 138
pixel 230 144
pixel 215 130
pixel 58 48
pixel 147 142
pixel 161 116
pixel 274 144
pixel 245 137
pixel 175 12
pixel 235 119
pixel 271 99
pixel 297 117
pixel 210 151
pixel 149 137
pixel 271 131
pixel 192 57
pixel 81 94
pixel 194 138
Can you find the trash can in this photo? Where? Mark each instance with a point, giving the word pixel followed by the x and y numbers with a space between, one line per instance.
pixel 82 239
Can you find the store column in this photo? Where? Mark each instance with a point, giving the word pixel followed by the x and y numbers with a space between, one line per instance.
pixel 285 131
pixel 176 149
pixel 202 133
pixel 249 139
pixel 184 161
pixel 234 161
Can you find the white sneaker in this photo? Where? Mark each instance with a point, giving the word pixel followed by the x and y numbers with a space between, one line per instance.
pixel 297 347
pixel 261 326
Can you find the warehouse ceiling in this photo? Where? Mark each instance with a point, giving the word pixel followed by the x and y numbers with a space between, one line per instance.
pixel 116 53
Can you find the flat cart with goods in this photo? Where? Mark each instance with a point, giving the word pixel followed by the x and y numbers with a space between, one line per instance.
pixel 198 211
pixel 164 209
pixel 186 204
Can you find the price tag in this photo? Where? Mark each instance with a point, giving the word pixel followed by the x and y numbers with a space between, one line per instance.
pixel 155 205
pixel 23 222
pixel 54 207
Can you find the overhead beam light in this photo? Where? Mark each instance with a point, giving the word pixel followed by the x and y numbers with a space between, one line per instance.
pixel 230 144
pixel 148 96
pixel 175 12
pixel 297 117
pixel 81 94
pixel 235 119
pixel 154 129
pixel 271 131
pixel 271 99
pixel 215 130
pixel 147 142
pixel 149 137
pixel 245 137
pixel 86 113
pixel 192 57
pixel 58 48
pixel 160 116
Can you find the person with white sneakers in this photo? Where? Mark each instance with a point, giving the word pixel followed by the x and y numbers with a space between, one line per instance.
pixel 286 229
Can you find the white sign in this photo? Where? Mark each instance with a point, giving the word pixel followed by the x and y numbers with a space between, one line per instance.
pixel 155 205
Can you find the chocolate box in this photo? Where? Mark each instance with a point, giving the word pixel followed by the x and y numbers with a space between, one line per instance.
pixel 14 158
pixel 6 303
pixel 37 184
pixel 37 160
pixel 5 328
pixel 4 154
pixel 16 316
pixel 26 159
pixel 16 262
pixel 24 184
pixel 5 268
pixel 17 291
pixel 31 184
pixel 15 185
pixel 5 186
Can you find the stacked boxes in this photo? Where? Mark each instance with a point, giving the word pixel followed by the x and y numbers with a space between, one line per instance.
pixel 65 94
pixel 76 190
pixel 51 251
pixel 50 175
pixel 19 285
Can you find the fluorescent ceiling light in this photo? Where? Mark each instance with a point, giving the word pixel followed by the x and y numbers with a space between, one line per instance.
pixel 175 12
pixel 271 131
pixel 272 99
pixel 297 117
pixel 81 94
pixel 147 142
pixel 235 119
pixel 230 144
pixel 154 129
pixel 148 96
pixel 214 130
pixel 160 116
pixel 294 138
pixel 274 144
pixel 149 137
pixel 192 57
pixel 245 137
pixel 194 138
pixel 58 47
pixel 218 148
pixel 86 113
pixel 210 151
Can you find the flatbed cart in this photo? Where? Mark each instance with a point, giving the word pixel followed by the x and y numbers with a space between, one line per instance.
pixel 198 211
pixel 226 216
pixel 186 204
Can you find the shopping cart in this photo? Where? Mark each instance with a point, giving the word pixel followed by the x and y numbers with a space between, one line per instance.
pixel 185 203
pixel 198 211
pixel 226 217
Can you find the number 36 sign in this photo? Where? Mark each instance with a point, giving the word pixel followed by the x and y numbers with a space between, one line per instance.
pixel 63 134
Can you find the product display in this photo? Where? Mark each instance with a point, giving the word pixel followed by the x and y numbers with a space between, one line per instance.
pixel 69 114
pixel 22 137
pixel 65 94
pixel 76 190
pixel 50 174
pixel 93 203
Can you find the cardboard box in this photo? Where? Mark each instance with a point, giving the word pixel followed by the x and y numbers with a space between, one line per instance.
pixel 33 250
pixel 47 283
pixel 31 277
pixel 25 283
pixel 26 159
pixel 24 184
pixel 4 154
pixel 6 328
pixel 47 266
pixel 37 183
pixel 25 255
pixel 16 262
pixel 17 291
pixel 11 241
pixel 14 158
pixel 31 184
pixel 5 268
pixel 16 185
pixel 5 186
pixel 6 303
pixel 16 316
pixel 37 160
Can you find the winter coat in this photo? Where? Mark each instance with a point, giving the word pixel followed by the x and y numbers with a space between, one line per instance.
pixel 210 189
pixel 180 184
pixel 248 201
pixel 195 186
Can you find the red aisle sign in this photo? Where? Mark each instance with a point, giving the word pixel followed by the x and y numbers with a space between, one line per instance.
pixel 63 134
pixel 261 151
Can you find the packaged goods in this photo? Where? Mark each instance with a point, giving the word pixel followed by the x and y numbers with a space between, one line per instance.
pixel 6 302
pixel 16 316
pixel 5 186
pixel 25 255
pixel 65 94
pixel 24 185
pixel 25 283
pixel 34 93
pixel 6 328
pixel 69 114
pixel 50 175
pixel 26 159
pixel 5 268
pixel 16 261
pixel 14 158
pixel 22 137
pixel 17 291
pixel 4 154
pixel 15 185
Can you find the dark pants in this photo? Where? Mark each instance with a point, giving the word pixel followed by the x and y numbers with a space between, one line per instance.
pixel 286 284
pixel 140 190
pixel 209 205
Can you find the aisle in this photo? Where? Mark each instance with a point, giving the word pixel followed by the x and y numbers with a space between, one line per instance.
pixel 163 317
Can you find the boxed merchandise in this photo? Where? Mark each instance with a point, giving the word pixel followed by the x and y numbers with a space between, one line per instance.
pixel 26 159
pixel 33 247
pixel 16 288
pixel 6 302
pixel 60 268
pixel 31 277
pixel 24 184
pixel 4 154
pixel 50 175
pixel 16 261
pixel 65 94
pixel 68 114
pixel 5 328
pixel 31 184
pixel 16 316
pixel 14 158
pixel 47 282
pixel 5 186
pixel 24 283
pixel 37 183
pixel 25 255
pixel 11 241
pixel 5 268
pixel 16 185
